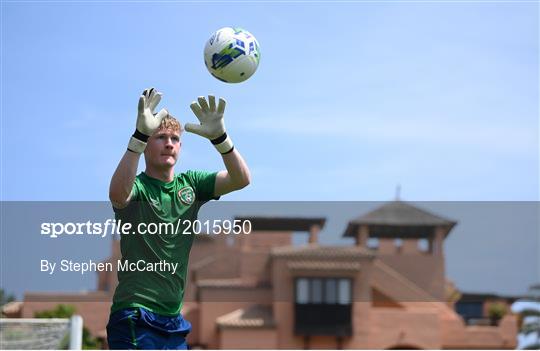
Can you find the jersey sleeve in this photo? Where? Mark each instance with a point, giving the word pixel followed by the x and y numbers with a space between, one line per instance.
pixel 204 184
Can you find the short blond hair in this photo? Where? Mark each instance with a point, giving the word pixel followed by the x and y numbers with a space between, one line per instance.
pixel 169 122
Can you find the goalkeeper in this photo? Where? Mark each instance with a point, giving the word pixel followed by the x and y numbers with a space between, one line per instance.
pixel 145 313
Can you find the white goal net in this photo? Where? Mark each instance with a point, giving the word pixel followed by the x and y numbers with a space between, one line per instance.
pixel 41 333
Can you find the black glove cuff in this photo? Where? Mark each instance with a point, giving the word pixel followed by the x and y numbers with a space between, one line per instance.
pixel 228 152
pixel 140 136
pixel 219 140
pixel 223 144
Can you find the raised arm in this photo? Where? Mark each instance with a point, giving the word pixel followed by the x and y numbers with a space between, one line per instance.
pixel 123 179
pixel 236 177
pixel 212 126
pixel 124 176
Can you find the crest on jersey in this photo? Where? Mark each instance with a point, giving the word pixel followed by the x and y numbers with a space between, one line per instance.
pixel 186 195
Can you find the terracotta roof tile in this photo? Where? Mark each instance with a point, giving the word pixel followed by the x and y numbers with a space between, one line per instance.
pixel 401 213
pixel 324 265
pixel 256 316
pixel 227 283
pixel 316 251
pixel 398 214
pixel 12 307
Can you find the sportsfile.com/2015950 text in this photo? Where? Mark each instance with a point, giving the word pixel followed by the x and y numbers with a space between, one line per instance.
pixel 117 227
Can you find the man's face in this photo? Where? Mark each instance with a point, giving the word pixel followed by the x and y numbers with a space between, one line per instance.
pixel 162 148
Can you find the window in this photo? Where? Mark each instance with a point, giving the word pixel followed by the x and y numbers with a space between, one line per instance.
pixel 316 291
pixel 423 245
pixel 344 292
pixel 328 291
pixel 373 243
pixel 230 241
pixel 470 310
pixel 323 306
pixel 302 291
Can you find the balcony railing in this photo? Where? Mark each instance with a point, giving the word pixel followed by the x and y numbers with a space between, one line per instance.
pixel 323 319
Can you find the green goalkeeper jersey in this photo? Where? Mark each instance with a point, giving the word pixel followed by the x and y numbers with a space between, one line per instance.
pixel 152 271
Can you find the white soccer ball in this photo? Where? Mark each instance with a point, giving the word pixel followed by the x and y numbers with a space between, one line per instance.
pixel 232 55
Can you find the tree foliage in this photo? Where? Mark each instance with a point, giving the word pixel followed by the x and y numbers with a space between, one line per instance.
pixel 66 311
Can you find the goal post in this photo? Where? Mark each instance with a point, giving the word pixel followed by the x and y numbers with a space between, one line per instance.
pixel 41 333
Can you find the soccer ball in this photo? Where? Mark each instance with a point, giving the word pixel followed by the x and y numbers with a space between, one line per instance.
pixel 232 55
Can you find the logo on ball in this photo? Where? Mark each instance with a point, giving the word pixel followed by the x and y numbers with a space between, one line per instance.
pixel 232 55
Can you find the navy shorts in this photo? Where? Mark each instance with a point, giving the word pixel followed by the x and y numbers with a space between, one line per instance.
pixel 138 328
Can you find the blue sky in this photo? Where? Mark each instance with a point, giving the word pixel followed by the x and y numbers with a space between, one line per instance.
pixel 350 99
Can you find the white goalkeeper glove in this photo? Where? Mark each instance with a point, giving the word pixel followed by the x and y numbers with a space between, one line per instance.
pixel 212 125
pixel 147 122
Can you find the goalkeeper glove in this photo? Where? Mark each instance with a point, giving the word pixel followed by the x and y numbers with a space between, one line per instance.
pixel 212 125
pixel 147 122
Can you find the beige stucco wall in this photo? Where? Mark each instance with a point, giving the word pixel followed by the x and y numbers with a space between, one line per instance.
pixel 248 338
pixel 390 327
pixel 424 270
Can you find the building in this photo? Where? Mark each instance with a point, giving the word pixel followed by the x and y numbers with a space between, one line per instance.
pixel 528 309
pixel 258 291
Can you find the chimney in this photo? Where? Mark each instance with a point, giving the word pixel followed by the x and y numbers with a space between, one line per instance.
pixel 314 234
